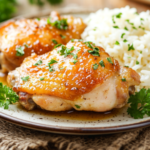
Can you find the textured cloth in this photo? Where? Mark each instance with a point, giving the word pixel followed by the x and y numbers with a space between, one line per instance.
pixel 13 137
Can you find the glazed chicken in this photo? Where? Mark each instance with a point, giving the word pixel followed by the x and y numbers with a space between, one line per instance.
pixel 79 75
pixel 19 39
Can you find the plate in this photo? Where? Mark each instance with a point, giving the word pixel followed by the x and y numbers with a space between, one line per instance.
pixel 72 122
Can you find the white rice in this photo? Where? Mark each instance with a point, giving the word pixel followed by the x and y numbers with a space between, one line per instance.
pixel 100 30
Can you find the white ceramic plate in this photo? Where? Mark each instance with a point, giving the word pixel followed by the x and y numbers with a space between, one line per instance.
pixel 85 123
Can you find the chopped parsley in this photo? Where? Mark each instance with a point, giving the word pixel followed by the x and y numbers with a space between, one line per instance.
pixel 77 106
pixel 65 51
pixel 136 13
pixel 26 45
pixel 126 66
pixel 25 78
pixel 109 60
pixel 38 19
pixel 126 28
pixel 127 20
pixel 141 52
pixel 57 45
pixel 130 47
pixel 52 61
pixel 122 35
pixel 7 96
pixel 88 44
pixel 116 27
pixel 59 24
pixel 117 43
pixel 62 36
pixel 141 19
pixel 95 66
pixel 102 63
pixel 39 62
pixel 137 62
pixel 123 79
pixel 72 40
pixel 42 78
pixel 20 51
pixel 125 41
pixel 75 61
pixel 94 52
pixel 113 19
pixel 139 104
pixel 118 15
pixel 54 41
pixel 134 28
pixel 75 56
pixel 95 29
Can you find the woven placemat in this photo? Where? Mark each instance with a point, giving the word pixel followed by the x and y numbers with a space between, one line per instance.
pixel 13 137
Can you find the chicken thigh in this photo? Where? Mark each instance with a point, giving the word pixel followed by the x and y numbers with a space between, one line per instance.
pixel 19 39
pixel 79 75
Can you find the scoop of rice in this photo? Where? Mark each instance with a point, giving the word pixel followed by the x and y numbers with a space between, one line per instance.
pixel 125 35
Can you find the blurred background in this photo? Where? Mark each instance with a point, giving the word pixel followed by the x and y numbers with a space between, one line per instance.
pixel 12 8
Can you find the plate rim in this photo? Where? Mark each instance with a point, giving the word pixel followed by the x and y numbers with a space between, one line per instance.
pixel 73 130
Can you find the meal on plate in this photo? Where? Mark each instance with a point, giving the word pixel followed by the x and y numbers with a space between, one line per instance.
pixel 108 69
pixel 78 75
pixel 19 39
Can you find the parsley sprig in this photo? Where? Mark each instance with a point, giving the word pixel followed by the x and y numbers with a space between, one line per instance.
pixel 139 104
pixel 7 96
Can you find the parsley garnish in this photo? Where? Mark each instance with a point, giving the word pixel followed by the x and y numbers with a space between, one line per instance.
pixel 20 51
pixel 7 96
pixel 66 51
pixel 113 19
pixel 139 104
pixel 95 66
pixel 122 35
pixel 72 40
pixel 126 28
pixel 134 28
pixel 94 52
pixel 25 78
pixel 109 60
pixel 95 28
pixel 61 68
pixel 116 27
pixel 75 61
pixel 39 62
pixel 102 63
pixel 52 61
pixel 117 43
pixel 137 62
pixel 59 24
pixel 77 106
pixel 57 45
pixel 140 52
pixel 141 19
pixel 118 15
pixel 126 66
pixel 38 19
pixel 125 40
pixel 26 45
pixel 88 44
pixel 62 36
pixel 123 79
pixel 54 41
pixel 75 56
pixel 130 47
pixel 42 78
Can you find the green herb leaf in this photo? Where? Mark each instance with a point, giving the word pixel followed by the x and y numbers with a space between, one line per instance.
pixel 54 41
pixel 141 19
pixel 122 35
pixel 72 40
pixel 25 78
pixel 75 56
pixel 95 66
pixel 126 66
pixel 139 104
pixel 137 62
pixel 38 19
pixel 7 96
pixel 130 47
pixel 141 52
pixel 42 78
pixel 52 61
pixel 116 27
pixel 61 68
pixel 39 62
pixel 57 45
pixel 118 15
pixel 109 60
pixel 102 63
pixel 123 79
pixel 134 28
pixel 62 36
pixel 117 43
pixel 95 29
pixel 59 24
pixel 113 19
pixel 125 41
pixel 20 51
pixel 26 45
pixel 77 106
pixel 126 28
pixel 75 61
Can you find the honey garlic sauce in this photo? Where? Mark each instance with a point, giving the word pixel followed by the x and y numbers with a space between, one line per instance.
pixel 70 115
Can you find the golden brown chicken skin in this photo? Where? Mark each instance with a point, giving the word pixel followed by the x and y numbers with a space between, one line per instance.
pixel 79 75
pixel 19 39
